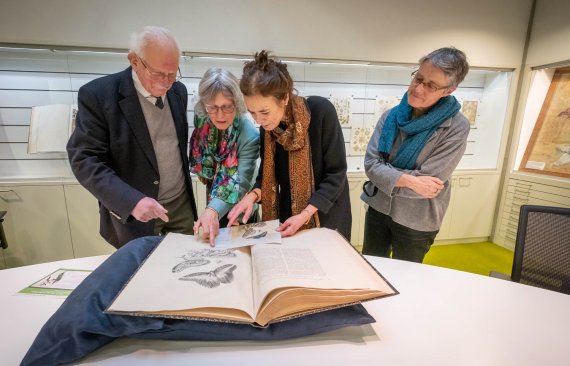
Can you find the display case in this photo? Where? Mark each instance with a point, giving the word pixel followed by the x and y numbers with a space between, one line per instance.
pixel 540 170
pixel 360 91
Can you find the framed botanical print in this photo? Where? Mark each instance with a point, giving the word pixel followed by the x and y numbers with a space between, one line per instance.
pixel 548 150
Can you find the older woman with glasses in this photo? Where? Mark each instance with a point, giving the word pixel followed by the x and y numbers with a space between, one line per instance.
pixel 224 148
pixel 410 158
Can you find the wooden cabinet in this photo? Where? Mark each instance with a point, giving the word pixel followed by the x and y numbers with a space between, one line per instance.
pixel 200 195
pixel 358 209
pixel 469 217
pixel 83 213
pixel 49 221
pixel 530 191
pixel 60 220
pixel 471 210
pixel 36 225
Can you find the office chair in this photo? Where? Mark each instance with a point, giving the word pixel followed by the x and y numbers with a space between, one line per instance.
pixel 542 249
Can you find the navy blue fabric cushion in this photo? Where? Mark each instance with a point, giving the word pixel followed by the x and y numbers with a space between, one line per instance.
pixel 80 326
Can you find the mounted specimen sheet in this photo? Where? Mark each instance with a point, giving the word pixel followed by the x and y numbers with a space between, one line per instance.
pixel 249 234
pixel 548 150
pixel 50 127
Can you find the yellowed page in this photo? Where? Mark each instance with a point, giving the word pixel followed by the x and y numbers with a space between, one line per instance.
pixel 183 273
pixel 317 258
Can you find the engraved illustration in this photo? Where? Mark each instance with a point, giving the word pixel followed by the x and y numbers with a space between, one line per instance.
pixel 189 263
pixel 342 106
pixel 51 279
pixel 382 104
pixel 469 109
pixel 195 258
pixel 360 139
pixel 250 231
pixel 249 234
pixel 565 157
pixel 565 112
pixel 212 279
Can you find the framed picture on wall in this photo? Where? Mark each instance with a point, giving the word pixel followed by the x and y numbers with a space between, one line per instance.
pixel 548 150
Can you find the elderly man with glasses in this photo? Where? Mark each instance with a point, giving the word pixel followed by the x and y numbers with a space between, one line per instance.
pixel 130 144
pixel 410 158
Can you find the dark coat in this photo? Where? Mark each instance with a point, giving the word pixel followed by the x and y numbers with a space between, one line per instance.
pixel 328 156
pixel 112 156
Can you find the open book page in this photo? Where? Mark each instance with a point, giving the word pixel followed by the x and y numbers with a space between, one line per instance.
pixel 249 234
pixel 50 127
pixel 319 259
pixel 183 273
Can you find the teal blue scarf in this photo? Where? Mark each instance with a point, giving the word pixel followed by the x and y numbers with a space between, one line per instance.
pixel 417 130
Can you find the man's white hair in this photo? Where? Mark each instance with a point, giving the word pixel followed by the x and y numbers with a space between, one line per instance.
pixel 149 34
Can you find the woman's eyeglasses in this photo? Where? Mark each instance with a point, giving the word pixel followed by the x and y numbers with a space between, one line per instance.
pixel 226 109
pixel 429 87
pixel 159 76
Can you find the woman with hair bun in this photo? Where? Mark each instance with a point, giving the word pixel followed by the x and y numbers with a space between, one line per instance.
pixel 302 178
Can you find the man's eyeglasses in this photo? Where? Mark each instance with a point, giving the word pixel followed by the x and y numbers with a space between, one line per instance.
pixel 429 87
pixel 158 76
pixel 226 109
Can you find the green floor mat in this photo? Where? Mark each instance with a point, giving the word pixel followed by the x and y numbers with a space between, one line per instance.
pixel 480 258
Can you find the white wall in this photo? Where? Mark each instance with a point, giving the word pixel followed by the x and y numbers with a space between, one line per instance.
pixel 550 37
pixel 491 32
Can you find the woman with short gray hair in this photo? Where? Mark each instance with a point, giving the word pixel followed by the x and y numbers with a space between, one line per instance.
pixel 410 158
pixel 224 148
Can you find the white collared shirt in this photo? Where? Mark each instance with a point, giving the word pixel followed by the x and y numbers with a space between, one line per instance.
pixel 140 88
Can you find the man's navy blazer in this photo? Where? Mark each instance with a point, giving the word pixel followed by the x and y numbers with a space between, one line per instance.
pixel 111 152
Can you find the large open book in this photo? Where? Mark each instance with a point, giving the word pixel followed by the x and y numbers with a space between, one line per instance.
pixel 312 271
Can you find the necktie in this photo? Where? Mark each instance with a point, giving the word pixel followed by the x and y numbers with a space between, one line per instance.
pixel 159 102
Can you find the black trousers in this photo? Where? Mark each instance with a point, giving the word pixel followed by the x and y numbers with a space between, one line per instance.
pixel 179 215
pixel 383 236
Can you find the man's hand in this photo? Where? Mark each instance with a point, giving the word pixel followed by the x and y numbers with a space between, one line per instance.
pixel 148 209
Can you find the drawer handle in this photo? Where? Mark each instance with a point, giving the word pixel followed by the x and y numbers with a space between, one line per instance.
pixel 520 198
pixel 509 231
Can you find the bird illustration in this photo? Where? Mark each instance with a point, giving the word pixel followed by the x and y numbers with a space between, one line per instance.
pixel 251 233
pixel 258 236
pixel 52 279
pixel 211 279
pixel 565 112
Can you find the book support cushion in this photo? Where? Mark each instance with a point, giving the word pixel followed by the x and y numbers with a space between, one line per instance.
pixel 80 325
